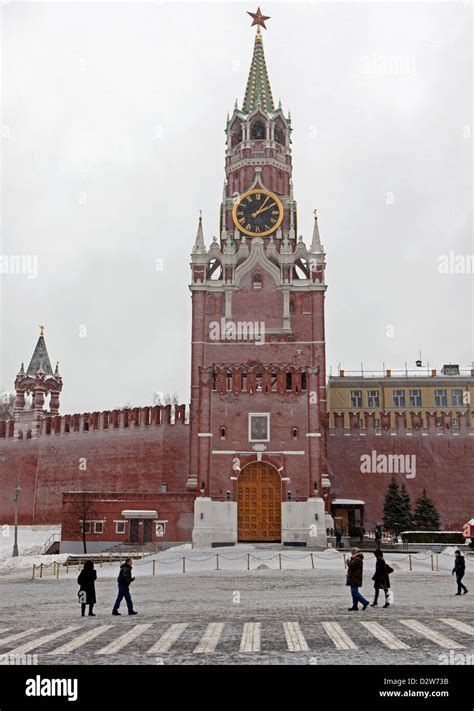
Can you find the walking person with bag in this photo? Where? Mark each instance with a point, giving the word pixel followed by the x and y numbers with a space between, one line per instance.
pixel 381 578
pixel 86 581
pixel 124 580
pixel 355 567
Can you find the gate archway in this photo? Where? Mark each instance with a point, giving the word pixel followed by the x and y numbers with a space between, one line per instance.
pixel 259 503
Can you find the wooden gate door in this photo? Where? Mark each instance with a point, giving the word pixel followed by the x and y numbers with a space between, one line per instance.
pixel 259 503
pixel 147 530
pixel 134 534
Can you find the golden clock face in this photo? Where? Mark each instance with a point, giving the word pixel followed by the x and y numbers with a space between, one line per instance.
pixel 257 213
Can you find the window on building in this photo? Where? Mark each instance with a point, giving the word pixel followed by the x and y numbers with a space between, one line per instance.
pixel 415 398
pixel 257 281
pixel 439 422
pixel 163 488
pixel 98 527
pixel 258 130
pixel 86 526
pixel 441 398
pixel 356 398
pixel 377 423
pixel 222 432
pixel 294 432
pixel 288 381
pixel 373 398
pixel 303 381
pixel 455 422
pixel 456 397
pixel 119 526
pixel 399 398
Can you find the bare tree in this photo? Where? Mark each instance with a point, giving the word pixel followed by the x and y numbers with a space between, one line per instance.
pixel 83 507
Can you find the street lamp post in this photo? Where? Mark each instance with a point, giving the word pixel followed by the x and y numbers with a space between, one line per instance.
pixel 16 496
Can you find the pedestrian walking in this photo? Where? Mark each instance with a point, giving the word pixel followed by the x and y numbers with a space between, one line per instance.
pixel 378 536
pixel 459 570
pixel 381 578
pixel 86 581
pixel 355 566
pixel 124 580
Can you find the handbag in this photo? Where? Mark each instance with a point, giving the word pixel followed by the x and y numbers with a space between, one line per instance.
pixel 390 597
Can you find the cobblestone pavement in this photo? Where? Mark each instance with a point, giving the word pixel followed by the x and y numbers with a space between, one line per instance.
pixel 226 617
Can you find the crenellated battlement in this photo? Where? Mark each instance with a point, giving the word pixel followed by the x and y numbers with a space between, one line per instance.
pixel 400 423
pixel 118 419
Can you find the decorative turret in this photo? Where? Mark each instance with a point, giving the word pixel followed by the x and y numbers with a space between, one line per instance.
pixel 38 382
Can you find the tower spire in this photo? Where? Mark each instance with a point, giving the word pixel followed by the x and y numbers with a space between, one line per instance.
pixel 258 84
pixel 40 358
pixel 199 246
pixel 316 247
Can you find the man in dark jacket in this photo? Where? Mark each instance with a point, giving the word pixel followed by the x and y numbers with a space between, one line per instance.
pixel 459 569
pixel 355 566
pixel 124 579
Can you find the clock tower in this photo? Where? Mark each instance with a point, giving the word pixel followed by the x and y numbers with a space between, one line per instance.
pixel 258 418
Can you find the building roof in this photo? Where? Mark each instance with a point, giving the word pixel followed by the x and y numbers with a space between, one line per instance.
pixel 258 89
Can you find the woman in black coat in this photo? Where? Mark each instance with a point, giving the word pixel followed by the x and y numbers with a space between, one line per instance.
pixel 381 577
pixel 86 581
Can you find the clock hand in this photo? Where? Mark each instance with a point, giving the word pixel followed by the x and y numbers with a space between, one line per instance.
pixel 261 208
pixel 264 209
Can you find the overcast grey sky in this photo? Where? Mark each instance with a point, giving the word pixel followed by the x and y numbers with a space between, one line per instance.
pixel 113 118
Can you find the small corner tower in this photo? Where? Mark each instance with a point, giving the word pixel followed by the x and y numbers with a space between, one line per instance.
pixel 32 388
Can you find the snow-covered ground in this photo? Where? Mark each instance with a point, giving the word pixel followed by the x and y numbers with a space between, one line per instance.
pixel 241 558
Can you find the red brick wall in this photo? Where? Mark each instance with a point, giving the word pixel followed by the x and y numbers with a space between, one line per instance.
pixel 444 467
pixel 118 460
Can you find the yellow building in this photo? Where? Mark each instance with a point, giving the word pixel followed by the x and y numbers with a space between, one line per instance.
pixel 449 390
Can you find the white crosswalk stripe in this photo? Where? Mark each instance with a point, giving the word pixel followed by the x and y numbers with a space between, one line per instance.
pixel 124 639
pixel 251 637
pixel 81 640
pixel 167 639
pixel 210 638
pixel 458 625
pixel 294 637
pixel 33 644
pixel 384 636
pixel 19 635
pixel 433 636
pixel 337 635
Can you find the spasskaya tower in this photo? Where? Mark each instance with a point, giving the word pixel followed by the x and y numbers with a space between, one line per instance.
pixel 258 375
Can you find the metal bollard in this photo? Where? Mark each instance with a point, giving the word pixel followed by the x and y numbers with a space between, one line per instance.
pixel 248 561
pixel 312 561
pixel 33 576
pixel 41 570
pixel 217 561
pixel 184 564
pixel 279 560
pixel 432 562
pixel 154 567
pixel 409 558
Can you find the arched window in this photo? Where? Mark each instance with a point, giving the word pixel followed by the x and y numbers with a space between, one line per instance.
pixel 257 281
pixel 258 130
pixel 236 135
pixel 294 432
pixel 279 134
pixel 223 432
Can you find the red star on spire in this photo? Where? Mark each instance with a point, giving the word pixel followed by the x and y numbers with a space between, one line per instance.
pixel 258 18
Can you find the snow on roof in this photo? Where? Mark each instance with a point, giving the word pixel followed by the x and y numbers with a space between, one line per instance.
pixel 347 502
pixel 139 513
